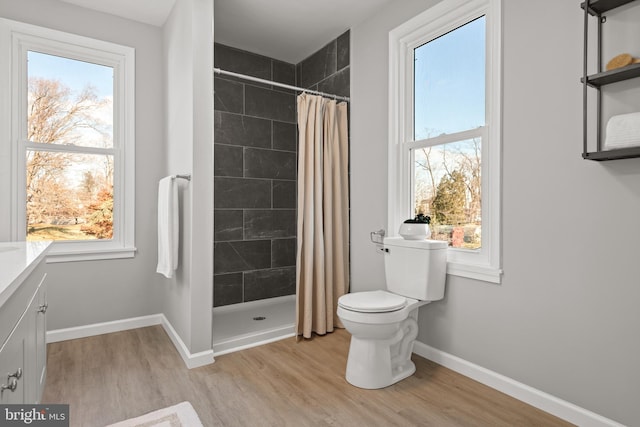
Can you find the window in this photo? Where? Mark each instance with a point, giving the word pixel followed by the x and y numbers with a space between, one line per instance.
pixel 71 142
pixel 444 130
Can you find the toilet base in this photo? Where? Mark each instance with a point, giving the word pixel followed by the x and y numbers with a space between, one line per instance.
pixel 379 363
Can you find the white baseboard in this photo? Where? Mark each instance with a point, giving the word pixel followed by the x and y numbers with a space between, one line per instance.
pixel 103 328
pixel 253 340
pixel 534 397
pixel 191 360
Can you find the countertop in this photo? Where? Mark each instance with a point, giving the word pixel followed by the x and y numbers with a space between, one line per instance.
pixel 17 261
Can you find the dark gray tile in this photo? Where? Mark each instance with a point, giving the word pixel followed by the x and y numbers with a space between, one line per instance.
pixel 284 194
pixel 227 289
pixel 227 224
pixel 227 160
pixel 269 283
pixel 284 136
pixel 283 252
pixel 337 84
pixel 272 164
pixel 283 72
pixel 319 66
pixel 236 129
pixel 230 257
pixel 228 96
pixel 270 104
pixel 269 224
pixel 241 61
pixel 238 193
pixel 343 50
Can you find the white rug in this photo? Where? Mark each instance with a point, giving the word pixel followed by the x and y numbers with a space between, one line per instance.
pixel 180 415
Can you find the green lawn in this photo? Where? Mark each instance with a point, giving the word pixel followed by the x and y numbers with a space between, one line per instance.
pixel 57 232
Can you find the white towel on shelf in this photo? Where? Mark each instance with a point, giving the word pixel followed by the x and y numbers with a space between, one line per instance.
pixel 623 131
pixel 168 226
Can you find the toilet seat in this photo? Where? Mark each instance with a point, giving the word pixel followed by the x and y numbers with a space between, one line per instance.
pixel 372 302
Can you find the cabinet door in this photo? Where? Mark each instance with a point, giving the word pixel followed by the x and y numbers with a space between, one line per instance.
pixel 41 339
pixel 12 364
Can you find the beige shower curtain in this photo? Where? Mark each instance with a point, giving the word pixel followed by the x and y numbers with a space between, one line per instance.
pixel 322 273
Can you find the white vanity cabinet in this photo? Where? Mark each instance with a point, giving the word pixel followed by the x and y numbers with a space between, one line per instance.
pixel 12 364
pixel 23 308
pixel 41 338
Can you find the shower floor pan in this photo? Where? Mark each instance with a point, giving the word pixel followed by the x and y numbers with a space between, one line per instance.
pixel 240 326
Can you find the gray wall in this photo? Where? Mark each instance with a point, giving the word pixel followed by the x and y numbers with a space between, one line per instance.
pixel 188 61
pixel 565 318
pixel 255 167
pixel 87 292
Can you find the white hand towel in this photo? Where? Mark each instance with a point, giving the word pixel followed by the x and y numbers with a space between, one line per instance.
pixel 623 131
pixel 168 227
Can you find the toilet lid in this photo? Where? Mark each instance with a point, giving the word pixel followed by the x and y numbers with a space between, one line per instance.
pixel 372 302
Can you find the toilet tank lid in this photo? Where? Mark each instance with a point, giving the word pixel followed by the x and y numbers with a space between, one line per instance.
pixel 418 244
pixel 372 301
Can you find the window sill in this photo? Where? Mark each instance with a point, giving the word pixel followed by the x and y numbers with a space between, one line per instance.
pixel 64 253
pixel 476 272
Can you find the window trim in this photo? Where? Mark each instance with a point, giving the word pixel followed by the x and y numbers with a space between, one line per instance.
pixel 484 264
pixel 16 39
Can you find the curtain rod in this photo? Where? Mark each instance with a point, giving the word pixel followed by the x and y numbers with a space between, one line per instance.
pixel 283 85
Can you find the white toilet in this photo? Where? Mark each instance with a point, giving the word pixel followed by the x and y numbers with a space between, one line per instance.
pixel 383 324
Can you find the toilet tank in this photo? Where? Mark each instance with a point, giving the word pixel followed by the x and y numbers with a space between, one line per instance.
pixel 415 268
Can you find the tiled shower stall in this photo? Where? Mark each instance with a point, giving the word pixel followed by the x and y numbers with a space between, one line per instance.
pixel 255 168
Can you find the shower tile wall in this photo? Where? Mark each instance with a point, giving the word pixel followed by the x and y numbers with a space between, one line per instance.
pixel 327 70
pixel 254 180
pixel 255 168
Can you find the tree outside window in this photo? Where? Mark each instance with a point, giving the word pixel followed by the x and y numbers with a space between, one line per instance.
pixel 69 159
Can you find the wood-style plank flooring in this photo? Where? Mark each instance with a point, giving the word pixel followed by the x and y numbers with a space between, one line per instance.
pixel 109 378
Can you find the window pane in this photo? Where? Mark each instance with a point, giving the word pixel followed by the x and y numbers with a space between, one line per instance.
pixel 69 196
pixel 70 102
pixel 447 187
pixel 449 86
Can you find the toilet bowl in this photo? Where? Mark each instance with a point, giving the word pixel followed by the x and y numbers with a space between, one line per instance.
pixel 383 323
pixel 381 341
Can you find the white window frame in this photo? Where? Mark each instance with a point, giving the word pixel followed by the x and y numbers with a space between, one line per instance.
pixel 16 39
pixel 485 263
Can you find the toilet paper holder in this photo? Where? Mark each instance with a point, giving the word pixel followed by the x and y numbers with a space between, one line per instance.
pixel 377 236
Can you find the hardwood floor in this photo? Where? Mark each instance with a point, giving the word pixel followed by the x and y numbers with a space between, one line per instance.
pixel 113 377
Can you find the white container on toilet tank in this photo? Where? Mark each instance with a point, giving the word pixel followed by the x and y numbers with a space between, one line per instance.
pixel 416 268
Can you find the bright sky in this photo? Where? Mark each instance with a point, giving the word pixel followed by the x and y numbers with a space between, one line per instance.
pixel 74 74
pixel 450 82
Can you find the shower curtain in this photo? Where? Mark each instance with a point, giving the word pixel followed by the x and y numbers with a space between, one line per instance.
pixel 322 273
